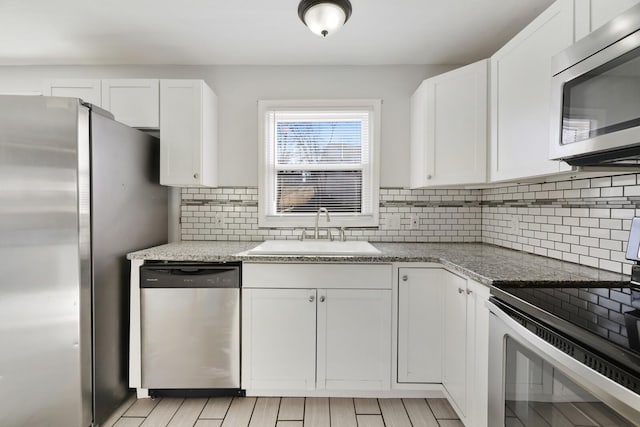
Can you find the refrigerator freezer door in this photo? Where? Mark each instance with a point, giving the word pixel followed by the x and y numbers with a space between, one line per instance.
pixel 129 212
pixel 45 360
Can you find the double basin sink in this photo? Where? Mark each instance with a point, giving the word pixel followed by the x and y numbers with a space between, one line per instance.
pixel 314 247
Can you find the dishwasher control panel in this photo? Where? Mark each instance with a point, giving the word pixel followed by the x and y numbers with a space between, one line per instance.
pixel 198 275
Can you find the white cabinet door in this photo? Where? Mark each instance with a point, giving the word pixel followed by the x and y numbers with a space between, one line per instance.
pixel 421 153
pixel 592 14
pixel 477 354
pixel 454 375
pixel 89 90
pixel 420 325
pixel 354 339
pixel 521 95
pixel 279 339
pixel 134 102
pixel 188 138
pixel 466 348
pixel 449 117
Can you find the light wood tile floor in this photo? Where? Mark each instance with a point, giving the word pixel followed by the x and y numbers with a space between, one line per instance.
pixel 284 412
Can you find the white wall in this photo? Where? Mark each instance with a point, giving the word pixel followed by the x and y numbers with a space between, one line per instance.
pixel 239 87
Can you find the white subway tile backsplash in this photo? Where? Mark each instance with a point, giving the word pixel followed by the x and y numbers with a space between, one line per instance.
pixel 581 183
pixel 623 180
pixel 584 221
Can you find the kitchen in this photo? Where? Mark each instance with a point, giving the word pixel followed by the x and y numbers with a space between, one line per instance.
pixel 567 215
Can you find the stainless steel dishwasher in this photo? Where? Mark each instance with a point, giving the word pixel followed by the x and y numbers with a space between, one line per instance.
pixel 190 327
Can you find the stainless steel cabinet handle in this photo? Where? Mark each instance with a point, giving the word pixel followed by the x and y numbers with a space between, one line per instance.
pixel 460 290
pixel 312 298
pixel 322 298
pixel 469 291
pixel 405 278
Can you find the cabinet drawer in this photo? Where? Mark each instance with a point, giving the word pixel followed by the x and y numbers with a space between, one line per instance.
pixel 327 276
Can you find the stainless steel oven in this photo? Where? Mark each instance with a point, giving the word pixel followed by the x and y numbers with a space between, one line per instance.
pixel 595 89
pixel 548 371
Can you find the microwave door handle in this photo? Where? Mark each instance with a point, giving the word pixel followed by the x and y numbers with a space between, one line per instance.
pixel 613 395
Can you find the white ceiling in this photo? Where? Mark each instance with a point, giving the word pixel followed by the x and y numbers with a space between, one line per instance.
pixel 265 32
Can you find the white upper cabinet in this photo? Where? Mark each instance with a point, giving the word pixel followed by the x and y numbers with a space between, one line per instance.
pixel 592 14
pixel 188 133
pixel 89 90
pixel 520 77
pixel 521 96
pixel 134 102
pixel 449 128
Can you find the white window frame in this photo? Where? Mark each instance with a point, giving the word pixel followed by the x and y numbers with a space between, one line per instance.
pixel 265 171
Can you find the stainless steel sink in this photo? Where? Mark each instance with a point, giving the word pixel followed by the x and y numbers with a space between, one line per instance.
pixel 314 247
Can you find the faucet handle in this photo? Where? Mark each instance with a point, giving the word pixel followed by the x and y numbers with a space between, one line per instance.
pixel 303 235
pixel 340 231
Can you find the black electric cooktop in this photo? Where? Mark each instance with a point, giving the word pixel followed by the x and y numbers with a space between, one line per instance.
pixel 606 320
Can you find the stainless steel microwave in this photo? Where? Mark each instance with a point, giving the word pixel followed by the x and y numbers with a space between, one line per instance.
pixel 595 96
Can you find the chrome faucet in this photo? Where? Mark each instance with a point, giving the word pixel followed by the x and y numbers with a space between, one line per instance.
pixel 315 230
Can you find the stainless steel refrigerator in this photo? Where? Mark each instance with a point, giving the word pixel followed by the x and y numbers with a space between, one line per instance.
pixel 78 191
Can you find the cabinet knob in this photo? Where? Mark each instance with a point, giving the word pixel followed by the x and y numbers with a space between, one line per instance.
pixel 460 290
pixel 405 278
pixel 322 298
pixel 469 291
pixel 195 175
pixel 428 176
pixel 312 298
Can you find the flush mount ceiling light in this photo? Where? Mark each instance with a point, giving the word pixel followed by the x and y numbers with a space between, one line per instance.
pixel 324 17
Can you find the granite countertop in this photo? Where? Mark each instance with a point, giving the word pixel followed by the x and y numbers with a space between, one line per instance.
pixel 487 264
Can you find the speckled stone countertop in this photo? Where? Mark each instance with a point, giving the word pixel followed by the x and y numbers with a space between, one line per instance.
pixel 487 264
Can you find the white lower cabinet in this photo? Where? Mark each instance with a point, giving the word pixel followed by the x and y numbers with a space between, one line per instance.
pixel 279 330
pixel 466 346
pixel 454 376
pixel 303 339
pixel 354 339
pixel 420 325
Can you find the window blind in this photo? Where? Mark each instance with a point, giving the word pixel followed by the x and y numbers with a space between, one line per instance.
pixel 319 159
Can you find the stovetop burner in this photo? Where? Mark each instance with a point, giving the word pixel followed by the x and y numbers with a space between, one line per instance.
pixel 603 311
pixel 607 320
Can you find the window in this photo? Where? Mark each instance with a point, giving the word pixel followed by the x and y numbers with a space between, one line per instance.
pixel 317 154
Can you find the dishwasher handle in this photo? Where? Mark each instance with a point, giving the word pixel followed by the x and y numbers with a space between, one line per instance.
pixel 189 276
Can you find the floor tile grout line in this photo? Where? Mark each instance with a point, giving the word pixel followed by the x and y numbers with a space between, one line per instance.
pixel 406 412
pixel 226 412
pixel 253 409
pixel 278 411
pixel 381 416
pixel 279 403
pixel 201 410
pixel 176 411
pixel 429 408
pixel 133 402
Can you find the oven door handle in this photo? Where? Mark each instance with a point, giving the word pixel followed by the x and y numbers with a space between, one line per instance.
pixel 617 397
